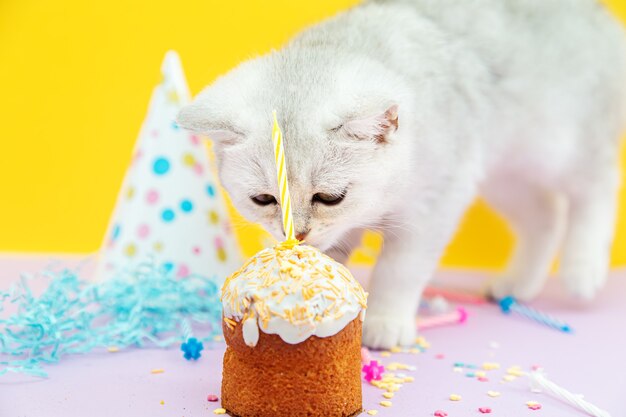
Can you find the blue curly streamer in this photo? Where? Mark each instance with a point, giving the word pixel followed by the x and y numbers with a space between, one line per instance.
pixel 144 306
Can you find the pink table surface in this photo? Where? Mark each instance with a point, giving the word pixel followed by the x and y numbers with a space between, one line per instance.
pixel 591 362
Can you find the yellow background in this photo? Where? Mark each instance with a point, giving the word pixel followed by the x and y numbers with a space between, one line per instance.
pixel 75 79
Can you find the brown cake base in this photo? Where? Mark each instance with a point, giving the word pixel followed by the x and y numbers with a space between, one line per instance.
pixel 315 378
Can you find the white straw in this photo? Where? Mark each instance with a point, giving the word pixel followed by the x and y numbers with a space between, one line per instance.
pixel 539 381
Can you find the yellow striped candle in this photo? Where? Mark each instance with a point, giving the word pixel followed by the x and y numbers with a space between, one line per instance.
pixel 283 186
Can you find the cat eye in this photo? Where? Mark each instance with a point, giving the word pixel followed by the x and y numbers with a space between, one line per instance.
pixel 264 199
pixel 329 199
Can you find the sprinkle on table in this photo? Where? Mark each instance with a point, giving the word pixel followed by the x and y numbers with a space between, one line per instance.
pixel 385 403
pixel 192 348
pixel 515 371
pixel 219 411
pixel 212 398
pixel 440 413
pixel 533 405
pixel 484 410
pixel 113 349
pixel 372 412
pixel 162 402
pixel 455 397
pixel 157 371
pixel 493 394
pixel 490 366
pixel 388 395
pixel 373 371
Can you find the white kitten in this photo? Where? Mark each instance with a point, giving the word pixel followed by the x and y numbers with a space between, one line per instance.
pixel 397 114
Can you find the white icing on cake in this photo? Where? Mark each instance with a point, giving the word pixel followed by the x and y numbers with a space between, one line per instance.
pixel 294 292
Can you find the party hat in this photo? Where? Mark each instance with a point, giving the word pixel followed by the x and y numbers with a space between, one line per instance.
pixel 170 208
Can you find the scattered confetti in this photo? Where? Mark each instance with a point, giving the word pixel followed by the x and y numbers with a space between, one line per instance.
pixel 483 379
pixel 157 371
pixel 373 371
pixel 421 342
pixel 372 412
pixel 212 398
pixel 385 403
pixel 515 371
pixel 480 374
pixel 219 411
pixel 396 349
pixel 458 370
pixel 388 395
pixel 470 374
pixel 509 378
pixel 493 394
pixel 440 356
pixel 490 366
pixel 440 413
pixel 533 405
pixel 455 397
pixel 162 402
pixel 485 410
pixel 192 348
pixel 385 354
pixel 113 349
pixel 394 366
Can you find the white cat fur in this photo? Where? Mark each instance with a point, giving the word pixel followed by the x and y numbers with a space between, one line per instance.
pixel 520 101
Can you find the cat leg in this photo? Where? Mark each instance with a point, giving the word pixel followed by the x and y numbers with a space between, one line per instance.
pixel 537 217
pixel 407 262
pixel 397 281
pixel 590 230
pixel 342 250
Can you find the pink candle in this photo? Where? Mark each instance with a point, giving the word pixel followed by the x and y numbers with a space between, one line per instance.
pixel 458 297
pixel 457 316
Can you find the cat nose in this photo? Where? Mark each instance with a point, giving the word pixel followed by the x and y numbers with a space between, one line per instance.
pixel 302 235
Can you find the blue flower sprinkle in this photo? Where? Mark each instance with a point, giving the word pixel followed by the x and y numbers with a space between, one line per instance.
pixel 192 348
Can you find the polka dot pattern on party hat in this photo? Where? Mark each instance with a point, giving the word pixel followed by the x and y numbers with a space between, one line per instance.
pixel 168 215
pixel 169 207
pixel 186 206
pixel 161 166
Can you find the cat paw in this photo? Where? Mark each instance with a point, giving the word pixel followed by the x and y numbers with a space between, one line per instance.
pixel 387 331
pixel 520 289
pixel 585 279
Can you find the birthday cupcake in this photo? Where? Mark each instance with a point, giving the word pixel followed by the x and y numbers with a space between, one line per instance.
pixel 292 324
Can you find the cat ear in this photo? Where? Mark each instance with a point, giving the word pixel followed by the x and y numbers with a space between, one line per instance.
pixel 198 118
pixel 375 128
